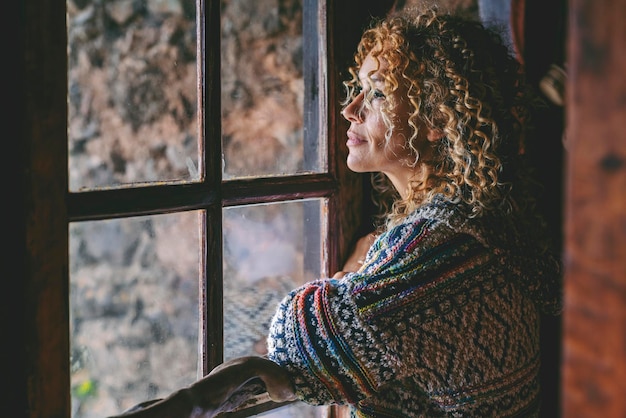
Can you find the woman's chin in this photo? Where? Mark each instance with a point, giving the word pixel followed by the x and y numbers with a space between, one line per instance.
pixel 357 163
pixel 356 166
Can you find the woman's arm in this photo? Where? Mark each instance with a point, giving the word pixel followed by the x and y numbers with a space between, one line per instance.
pixel 223 389
pixel 338 337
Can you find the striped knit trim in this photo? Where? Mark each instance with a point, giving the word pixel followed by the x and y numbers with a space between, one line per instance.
pixel 423 277
pixel 403 240
pixel 305 343
pixel 340 348
pixel 338 353
pixel 319 335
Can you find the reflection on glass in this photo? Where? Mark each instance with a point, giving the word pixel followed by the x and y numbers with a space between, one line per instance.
pixel 133 311
pixel 268 251
pixel 263 90
pixel 132 92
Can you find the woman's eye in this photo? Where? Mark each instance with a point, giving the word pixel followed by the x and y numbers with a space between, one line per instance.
pixel 377 94
pixel 357 90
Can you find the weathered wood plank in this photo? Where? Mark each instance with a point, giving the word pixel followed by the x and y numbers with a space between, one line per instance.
pixel 44 178
pixel 594 356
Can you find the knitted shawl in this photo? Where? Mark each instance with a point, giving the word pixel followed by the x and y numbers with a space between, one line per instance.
pixel 441 320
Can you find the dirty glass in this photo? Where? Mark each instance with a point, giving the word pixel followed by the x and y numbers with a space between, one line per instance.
pixel 133 311
pixel 268 250
pixel 270 82
pixel 132 92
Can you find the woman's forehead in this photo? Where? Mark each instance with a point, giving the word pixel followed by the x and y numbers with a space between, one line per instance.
pixel 373 69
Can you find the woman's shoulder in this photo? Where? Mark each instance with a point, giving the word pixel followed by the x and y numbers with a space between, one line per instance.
pixel 441 213
pixel 429 225
pixel 455 217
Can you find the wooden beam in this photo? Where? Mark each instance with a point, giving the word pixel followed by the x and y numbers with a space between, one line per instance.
pixel 43 178
pixel 594 356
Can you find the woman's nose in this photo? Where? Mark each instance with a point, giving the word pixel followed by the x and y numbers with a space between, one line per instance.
pixel 352 112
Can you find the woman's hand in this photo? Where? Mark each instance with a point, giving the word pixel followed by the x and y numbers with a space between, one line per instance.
pixel 224 388
pixel 277 382
pixel 356 259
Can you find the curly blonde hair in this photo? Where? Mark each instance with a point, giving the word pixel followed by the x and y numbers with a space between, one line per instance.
pixel 462 81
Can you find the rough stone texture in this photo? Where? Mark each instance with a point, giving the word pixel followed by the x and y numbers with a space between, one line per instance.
pixel 124 125
pixel 262 87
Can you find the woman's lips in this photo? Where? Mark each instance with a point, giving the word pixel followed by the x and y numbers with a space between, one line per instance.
pixel 354 140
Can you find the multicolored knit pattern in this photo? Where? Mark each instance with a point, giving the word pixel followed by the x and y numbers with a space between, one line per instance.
pixel 439 321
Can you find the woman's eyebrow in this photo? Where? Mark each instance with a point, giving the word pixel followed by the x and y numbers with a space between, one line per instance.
pixel 371 79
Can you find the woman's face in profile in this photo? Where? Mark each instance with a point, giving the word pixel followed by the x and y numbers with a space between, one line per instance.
pixel 369 151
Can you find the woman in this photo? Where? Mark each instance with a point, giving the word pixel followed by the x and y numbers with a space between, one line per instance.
pixel 442 316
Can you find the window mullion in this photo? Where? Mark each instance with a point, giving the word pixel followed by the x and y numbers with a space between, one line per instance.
pixel 210 144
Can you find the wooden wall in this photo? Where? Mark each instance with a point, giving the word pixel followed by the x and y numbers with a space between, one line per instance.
pixel 594 353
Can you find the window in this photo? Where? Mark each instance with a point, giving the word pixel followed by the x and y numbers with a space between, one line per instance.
pixel 47 211
pixel 203 186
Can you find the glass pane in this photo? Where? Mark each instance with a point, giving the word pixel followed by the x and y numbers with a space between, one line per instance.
pixel 268 250
pixel 133 310
pixel 132 92
pixel 264 98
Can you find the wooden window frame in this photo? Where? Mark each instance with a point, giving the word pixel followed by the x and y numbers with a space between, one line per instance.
pixel 211 193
